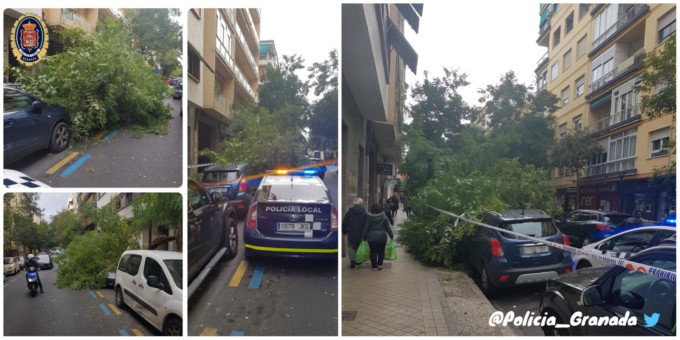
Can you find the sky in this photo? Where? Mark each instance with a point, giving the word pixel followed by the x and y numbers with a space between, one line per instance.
pixel 52 203
pixel 481 38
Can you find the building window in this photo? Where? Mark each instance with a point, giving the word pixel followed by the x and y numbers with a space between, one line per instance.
pixel 606 19
pixel 554 70
pixel 567 60
pixel 580 86
pixel 659 141
pixel 569 23
pixel 194 64
pixel 622 145
pixel 578 124
pixel 666 25
pixel 542 80
pixel 556 36
pixel 565 96
pixel 224 36
pixel 581 47
pixel 582 10
pixel 563 130
pixel 603 67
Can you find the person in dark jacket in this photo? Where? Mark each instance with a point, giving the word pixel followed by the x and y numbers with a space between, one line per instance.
pixel 376 230
pixel 33 263
pixel 353 225
pixel 386 208
pixel 394 205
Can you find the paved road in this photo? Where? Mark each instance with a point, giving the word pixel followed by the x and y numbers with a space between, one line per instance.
pixel 115 159
pixel 520 300
pixel 62 312
pixel 285 297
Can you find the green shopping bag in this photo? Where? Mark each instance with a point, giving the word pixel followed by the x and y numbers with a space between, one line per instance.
pixel 363 252
pixel 390 251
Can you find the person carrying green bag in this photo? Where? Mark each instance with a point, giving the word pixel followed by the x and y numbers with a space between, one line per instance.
pixel 353 225
pixel 375 233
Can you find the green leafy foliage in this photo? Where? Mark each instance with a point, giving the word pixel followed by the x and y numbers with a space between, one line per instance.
pixel 101 82
pixel 20 229
pixel 67 225
pixel 157 36
pixel 661 72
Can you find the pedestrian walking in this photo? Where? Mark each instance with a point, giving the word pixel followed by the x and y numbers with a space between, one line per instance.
pixel 394 205
pixel 386 208
pixel 376 230
pixel 353 226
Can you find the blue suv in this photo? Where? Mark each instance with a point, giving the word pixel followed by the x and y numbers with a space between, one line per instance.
pixel 505 260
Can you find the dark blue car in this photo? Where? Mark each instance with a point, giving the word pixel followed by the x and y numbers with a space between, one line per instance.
pixel 292 216
pixel 236 182
pixel 506 260
pixel 32 125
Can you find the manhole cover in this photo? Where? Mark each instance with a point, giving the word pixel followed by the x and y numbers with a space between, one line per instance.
pixel 349 315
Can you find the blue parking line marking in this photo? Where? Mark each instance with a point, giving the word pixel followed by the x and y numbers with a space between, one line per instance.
pixel 92 293
pixel 257 277
pixel 123 332
pixel 237 333
pixel 110 135
pixel 75 165
pixel 104 309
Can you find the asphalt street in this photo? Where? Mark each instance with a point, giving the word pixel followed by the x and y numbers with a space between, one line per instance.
pixel 116 158
pixel 63 312
pixel 268 297
pixel 519 300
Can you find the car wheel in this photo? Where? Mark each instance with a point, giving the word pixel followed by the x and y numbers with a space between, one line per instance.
pixel 120 303
pixel 231 241
pixel 487 286
pixel 60 138
pixel 554 331
pixel 173 327
pixel 586 241
pixel 583 264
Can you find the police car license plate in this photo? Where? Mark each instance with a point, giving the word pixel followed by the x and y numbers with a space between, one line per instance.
pixel 287 226
pixel 529 250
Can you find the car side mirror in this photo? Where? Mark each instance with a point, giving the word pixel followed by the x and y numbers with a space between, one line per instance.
pixel 603 247
pixel 37 106
pixel 154 282
pixel 216 197
pixel 590 297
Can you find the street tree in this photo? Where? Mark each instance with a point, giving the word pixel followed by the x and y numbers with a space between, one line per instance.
pixel 157 35
pixel 101 82
pixel 323 122
pixel 572 153
pixel 67 224
pixel 164 209
pixel 438 107
pixel 658 82
pixel 281 86
pixel 19 226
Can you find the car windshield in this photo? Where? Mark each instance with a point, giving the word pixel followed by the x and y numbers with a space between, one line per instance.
pixel 541 228
pixel 220 176
pixel 175 269
pixel 43 258
pixel 296 192
pixel 8 261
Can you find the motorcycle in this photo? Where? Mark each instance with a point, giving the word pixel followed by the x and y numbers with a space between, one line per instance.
pixel 32 280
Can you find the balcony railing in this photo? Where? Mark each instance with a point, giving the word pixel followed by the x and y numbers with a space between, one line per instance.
pixel 617 167
pixel 244 83
pixel 74 19
pixel 246 49
pixel 628 114
pixel 631 15
pixel 251 26
pixel 631 63
pixel 543 59
pixel 220 102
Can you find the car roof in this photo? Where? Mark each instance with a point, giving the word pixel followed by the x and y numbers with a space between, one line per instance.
pixel 225 167
pixel 161 254
pixel 518 214
pixel 659 248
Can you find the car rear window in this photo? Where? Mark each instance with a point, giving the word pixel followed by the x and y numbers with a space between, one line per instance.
pixel 8 261
pixel 221 176
pixel 296 192
pixel 43 258
pixel 539 228
pixel 617 219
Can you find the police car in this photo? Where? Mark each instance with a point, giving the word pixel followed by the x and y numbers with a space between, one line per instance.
pixel 292 216
pixel 17 180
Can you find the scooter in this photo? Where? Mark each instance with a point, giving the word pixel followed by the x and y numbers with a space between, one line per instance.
pixel 32 280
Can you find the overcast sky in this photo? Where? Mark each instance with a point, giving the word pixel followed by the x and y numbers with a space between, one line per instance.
pixel 481 38
pixel 52 203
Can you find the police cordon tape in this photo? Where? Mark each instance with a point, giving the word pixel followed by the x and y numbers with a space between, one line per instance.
pixel 643 268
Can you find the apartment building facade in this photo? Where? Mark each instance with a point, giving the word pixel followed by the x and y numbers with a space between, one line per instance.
pixel 593 64
pixel 223 59
pixel 375 55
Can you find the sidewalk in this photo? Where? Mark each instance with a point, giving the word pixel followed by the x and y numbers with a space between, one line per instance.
pixel 403 299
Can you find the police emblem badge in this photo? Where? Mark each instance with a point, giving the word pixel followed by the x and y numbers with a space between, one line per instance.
pixel 30 39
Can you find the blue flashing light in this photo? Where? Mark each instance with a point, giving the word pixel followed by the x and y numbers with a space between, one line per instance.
pixel 309 172
pixel 671 220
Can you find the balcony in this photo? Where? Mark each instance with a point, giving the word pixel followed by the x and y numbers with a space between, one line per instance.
pixel 69 18
pixel 618 119
pixel 251 27
pixel 627 18
pixel 622 69
pixel 543 61
pixel 229 62
pixel 246 50
pixel 221 105
pixel 612 169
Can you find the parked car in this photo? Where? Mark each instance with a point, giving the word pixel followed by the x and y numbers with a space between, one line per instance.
pixel 614 291
pixel 236 182
pixel 504 260
pixel 582 225
pixel 622 245
pixel 292 216
pixel 18 180
pixel 11 265
pixel 213 231
pixel 32 125
pixel 150 283
pixel 44 261
pixel 179 90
